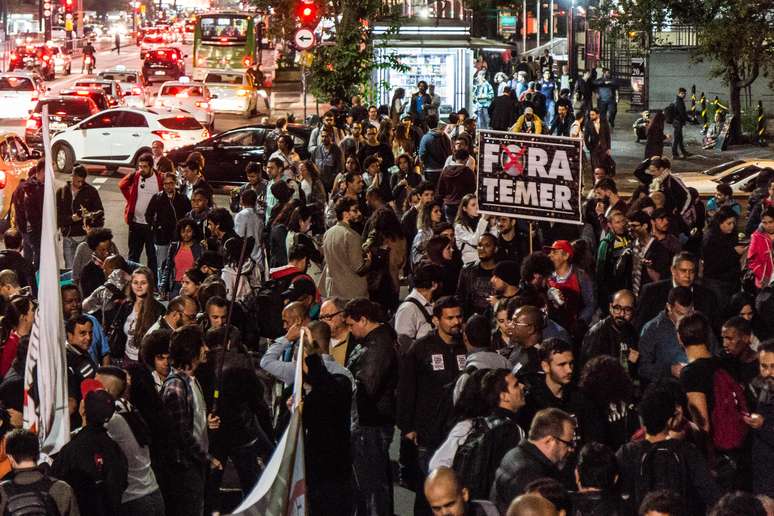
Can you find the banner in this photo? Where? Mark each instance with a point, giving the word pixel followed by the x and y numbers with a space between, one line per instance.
pixel 46 408
pixel 281 490
pixel 529 176
pixel 637 82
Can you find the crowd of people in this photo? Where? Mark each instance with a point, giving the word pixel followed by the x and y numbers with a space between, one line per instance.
pixel 620 367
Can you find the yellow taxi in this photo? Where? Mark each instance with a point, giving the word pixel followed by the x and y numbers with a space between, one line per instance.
pixel 16 160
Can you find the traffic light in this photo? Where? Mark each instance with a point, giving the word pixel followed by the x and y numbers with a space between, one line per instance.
pixel 69 5
pixel 307 14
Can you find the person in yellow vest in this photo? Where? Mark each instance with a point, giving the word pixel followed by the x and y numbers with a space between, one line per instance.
pixel 528 123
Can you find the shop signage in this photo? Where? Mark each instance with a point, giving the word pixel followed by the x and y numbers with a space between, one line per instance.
pixel 527 176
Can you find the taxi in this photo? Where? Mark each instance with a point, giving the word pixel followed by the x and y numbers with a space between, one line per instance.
pixel 134 91
pixel 16 160
pixel 193 97
pixel 234 90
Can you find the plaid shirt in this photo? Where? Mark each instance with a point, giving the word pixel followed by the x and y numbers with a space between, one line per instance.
pixel 177 397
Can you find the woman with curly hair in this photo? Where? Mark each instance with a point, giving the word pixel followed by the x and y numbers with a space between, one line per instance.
pixel 607 385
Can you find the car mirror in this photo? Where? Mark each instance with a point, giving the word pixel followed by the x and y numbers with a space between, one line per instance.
pixel 35 154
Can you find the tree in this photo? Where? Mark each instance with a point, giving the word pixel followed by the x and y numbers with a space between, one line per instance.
pixel 737 35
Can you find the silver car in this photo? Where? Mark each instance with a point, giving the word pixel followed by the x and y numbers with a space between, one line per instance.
pixel 130 80
pixel 235 92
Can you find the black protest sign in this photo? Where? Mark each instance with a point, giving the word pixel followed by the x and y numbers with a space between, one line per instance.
pixel 530 176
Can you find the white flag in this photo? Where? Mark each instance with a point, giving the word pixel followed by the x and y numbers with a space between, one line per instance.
pixel 281 490
pixel 45 376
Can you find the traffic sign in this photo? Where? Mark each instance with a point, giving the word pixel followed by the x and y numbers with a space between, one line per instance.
pixel 304 38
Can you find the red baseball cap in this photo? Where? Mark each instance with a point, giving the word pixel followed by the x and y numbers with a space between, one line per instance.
pixel 560 245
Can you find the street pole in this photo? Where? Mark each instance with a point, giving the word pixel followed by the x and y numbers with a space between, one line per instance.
pixel 303 89
pixel 524 25
pixel 571 57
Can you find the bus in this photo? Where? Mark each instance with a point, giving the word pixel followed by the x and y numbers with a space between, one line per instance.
pixel 224 41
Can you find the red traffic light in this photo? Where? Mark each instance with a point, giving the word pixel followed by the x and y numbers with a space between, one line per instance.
pixel 306 13
pixel 68 3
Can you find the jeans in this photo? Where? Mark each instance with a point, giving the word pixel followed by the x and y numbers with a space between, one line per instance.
pixel 140 235
pixel 450 210
pixel 69 244
pixel 162 252
pixel 482 115
pixel 421 506
pixel 149 505
pixel 187 490
pixel 677 139
pixel 373 473
pixel 31 248
pixel 608 109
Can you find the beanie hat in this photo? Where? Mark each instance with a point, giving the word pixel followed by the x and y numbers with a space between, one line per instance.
pixel 508 271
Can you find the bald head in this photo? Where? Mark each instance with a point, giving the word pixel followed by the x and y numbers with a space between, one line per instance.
pixel 296 310
pixel 531 505
pixel 624 296
pixel 445 494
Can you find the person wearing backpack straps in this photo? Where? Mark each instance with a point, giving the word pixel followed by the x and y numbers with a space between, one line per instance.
pixel 448 496
pixel 413 319
pixel 660 462
pixel 429 365
pixel 31 491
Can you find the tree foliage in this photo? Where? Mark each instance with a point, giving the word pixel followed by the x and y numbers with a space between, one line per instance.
pixel 736 35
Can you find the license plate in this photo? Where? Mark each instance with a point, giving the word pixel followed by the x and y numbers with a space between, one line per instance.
pixel 54 126
pixel 161 72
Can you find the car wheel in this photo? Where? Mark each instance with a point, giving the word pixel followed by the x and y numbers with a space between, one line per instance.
pixel 64 158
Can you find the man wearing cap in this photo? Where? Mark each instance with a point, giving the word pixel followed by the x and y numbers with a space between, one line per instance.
pixel 572 301
pixel 303 290
pixel 505 281
pixel 92 463
pixel 528 123
pixel 431 363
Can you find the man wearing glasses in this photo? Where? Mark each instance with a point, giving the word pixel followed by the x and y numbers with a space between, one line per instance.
pixel 615 334
pixel 138 188
pixel 332 314
pixel 181 310
pixel 551 439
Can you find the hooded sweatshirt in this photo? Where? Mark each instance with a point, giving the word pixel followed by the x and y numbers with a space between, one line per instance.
pixel 455 181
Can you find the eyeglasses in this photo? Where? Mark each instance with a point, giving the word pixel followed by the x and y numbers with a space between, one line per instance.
pixel 569 444
pixel 624 309
pixel 328 317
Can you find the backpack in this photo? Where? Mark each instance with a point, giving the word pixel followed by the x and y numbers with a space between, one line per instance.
pixel 263 309
pixel 30 499
pixel 661 467
pixel 670 112
pixel 728 428
pixel 422 309
pixel 473 461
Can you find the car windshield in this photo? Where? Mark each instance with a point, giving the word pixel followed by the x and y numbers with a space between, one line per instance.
pixel 16 84
pixel 181 90
pixel 740 175
pixel 723 167
pixel 71 107
pixel 223 28
pixel 224 78
pixel 98 97
pixel 180 123
pixel 120 77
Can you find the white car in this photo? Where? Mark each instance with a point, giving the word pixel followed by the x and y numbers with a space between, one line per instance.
pixel 234 91
pixel 740 175
pixel 117 137
pixel 62 60
pixel 19 94
pixel 193 97
pixel 135 93
pixel 152 40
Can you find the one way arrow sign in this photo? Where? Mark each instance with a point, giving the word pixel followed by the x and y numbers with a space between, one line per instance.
pixel 304 39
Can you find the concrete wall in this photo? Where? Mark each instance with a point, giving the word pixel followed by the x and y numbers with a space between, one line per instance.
pixel 669 68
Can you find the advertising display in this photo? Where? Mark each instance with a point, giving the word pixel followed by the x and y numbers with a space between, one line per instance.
pixel 529 176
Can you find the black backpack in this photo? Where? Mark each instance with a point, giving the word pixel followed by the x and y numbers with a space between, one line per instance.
pixel 473 460
pixel 263 309
pixel 661 467
pixel 29 499
pixel 670 112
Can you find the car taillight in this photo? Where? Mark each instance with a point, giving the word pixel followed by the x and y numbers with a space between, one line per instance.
pixel 167 135
pixel 205 134
pixel 34 122
pixel 45 58
pixel 14 57
pixel 174 57
pixel 2 179
pixel 137 91
pixel 203 105
pixel 84 93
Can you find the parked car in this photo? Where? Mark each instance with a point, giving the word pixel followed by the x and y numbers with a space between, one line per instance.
pixel 117 137
pixel 227 154
pixel 62 113
pixel 740 175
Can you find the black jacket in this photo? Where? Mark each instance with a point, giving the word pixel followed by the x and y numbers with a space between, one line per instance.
pixel 163 213
pixel 426 369
pixel 573 401
pixel 13 260
pixel 474 288
pixel 419 115
pixel 502 112
pixel 95 467
pixel 92 276
pixel 595 503
pixel 88 198
pixel 561 127
pixel 116 335
pixel 519 467
pixel 374 364
pixel 28 207
pixel 605 338
pixel 681 114
pixel 168 272
pixel 653 297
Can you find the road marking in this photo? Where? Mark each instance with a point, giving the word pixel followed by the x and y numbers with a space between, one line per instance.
pixel 99 180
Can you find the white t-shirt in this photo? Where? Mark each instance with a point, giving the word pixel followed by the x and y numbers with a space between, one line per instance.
pixel 147 188
pixel 132 349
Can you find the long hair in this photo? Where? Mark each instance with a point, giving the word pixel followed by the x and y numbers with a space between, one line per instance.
pixel 386 223
pixel 425 218
pixel 384 135
pixel 147 315
pixel 311 168
pixel 16 309
pixel 656 123
pixel 462 217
